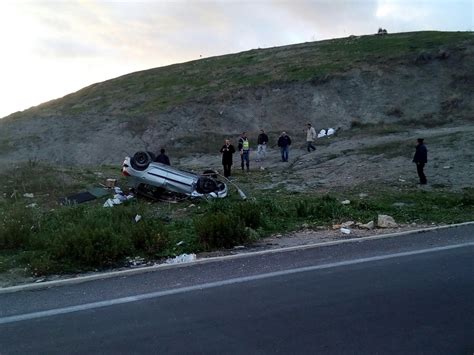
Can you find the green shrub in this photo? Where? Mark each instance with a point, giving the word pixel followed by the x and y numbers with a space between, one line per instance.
pixel 220 230
pixel 88 237
pixel 323 209
pixel 17 223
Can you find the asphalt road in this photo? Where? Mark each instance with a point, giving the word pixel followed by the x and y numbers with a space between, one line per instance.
pixel 410 294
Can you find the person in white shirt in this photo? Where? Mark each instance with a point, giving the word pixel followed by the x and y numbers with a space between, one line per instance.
pixel 310 136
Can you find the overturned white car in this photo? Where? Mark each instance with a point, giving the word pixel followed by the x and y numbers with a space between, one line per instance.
pixel 146 175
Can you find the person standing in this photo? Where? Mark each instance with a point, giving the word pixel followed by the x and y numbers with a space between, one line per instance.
pixel 420 159
pixel 284 143
pixel 244 149
pixel 262 141
pixel 162 158
pixel 227 152
pixel 310 137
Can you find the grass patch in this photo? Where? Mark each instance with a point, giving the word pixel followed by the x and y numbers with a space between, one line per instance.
pixel 159 89
pixel 88 237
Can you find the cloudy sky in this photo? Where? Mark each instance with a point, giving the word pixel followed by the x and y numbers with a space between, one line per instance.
pixel 52 48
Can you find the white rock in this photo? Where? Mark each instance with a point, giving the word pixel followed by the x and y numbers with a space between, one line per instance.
pixel 345 230
pixel 384 221
pixel 370 225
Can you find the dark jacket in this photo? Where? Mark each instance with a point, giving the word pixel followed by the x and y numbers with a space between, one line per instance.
pixel 421 154
pixel 262 138
pixel 163 159
pixel 227 151
pixel 284 141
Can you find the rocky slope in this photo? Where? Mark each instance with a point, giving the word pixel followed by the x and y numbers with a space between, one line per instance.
pixel 417 80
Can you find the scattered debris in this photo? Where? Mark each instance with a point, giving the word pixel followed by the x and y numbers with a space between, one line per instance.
pixel 118 198
pixel 180 243
pixel 28 195
pixel 110 183
pixel 183 258
pixel 137 218
pixel 347 224
pixel 369 225
pixel 80 197
pixel 384 221
pixel 136 261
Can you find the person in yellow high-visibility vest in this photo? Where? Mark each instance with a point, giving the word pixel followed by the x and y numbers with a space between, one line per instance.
pixel 244 149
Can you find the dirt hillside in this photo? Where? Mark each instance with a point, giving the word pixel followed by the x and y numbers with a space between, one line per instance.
pixel 409 84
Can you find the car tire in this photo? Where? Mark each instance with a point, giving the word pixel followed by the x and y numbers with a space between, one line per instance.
pixel 141 160
pixel 206 185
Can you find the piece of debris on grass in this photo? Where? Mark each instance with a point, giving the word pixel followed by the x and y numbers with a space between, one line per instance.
pixel 346 202
pixel 347 224
pixel 345 230
pixel 137 218
pixel 183 258
pixel 370 225
pixel 28 195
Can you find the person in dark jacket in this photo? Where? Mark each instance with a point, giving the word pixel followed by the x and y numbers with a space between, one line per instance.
pixel 162 158
pixel 262 142
pixel 420 159
pixel 227 151
pixel 284 143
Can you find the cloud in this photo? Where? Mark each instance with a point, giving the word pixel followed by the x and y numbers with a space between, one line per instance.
pixel 75 43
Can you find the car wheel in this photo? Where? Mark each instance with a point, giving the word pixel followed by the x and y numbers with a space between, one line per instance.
pixel 141 160
pixel 206 185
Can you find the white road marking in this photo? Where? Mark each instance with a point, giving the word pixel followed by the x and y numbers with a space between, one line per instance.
pixel 146 296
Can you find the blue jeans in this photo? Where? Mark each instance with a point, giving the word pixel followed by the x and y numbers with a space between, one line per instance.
pixel 245 159
pixel 310 146
pixel 284 153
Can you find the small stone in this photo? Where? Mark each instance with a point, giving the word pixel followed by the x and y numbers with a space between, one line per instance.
pixel 370 225
pixel 347 224
pixel 384 221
